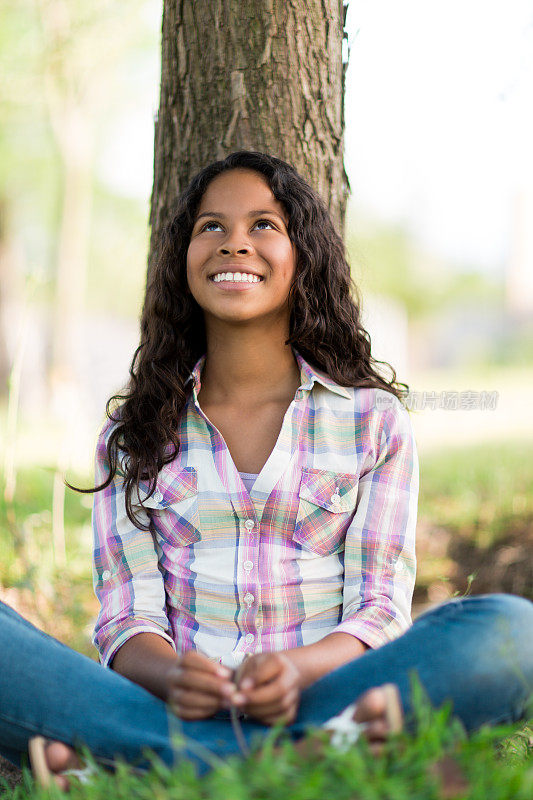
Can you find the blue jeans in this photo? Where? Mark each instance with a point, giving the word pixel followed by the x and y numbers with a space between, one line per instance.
pixel 476 652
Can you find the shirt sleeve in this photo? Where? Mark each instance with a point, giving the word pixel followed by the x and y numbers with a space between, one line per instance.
pixel 379 556
pixel 126 577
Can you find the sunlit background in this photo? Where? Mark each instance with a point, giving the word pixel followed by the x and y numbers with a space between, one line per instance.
pixel 440 235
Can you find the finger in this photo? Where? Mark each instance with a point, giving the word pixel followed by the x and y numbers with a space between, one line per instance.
pixel 278 718
pixel 193 700
pixel 197 661
pixel 194 714
pixel 268 693
pixel 203 682
pixel 259 669
pixel 279 706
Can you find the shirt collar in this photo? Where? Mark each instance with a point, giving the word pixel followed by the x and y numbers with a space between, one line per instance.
pixel 195 377
pixel 308 375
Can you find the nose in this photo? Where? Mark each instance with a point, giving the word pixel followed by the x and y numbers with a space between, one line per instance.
pixel 236 243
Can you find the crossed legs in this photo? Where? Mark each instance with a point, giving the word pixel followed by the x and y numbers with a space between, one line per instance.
pixel 476 652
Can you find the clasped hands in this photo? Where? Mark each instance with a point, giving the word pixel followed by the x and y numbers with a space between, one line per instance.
pixel 268 687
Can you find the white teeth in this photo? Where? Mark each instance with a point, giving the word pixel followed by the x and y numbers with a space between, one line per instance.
pixel 236 277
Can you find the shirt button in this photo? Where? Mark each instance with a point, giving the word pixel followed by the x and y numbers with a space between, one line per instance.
pixel 249 638
pixel 248 566
pixel 249 599
pixel 158 496
pixel 249 524
pixel 335 499
pixel 106 575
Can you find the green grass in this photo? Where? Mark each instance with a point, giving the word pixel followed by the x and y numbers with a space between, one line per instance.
pixel 491 765
pixel 54 596
pixel 480 488
pixel 475 521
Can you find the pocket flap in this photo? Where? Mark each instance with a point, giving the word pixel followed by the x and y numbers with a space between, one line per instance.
pixel 172 487
pixel 334 491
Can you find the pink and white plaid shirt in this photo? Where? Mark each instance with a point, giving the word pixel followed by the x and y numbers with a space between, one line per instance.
pixel 323 542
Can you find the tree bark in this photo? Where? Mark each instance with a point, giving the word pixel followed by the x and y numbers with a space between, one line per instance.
pixel 254 75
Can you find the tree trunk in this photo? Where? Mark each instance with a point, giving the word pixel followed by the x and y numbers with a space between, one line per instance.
pixel 254 75
pixel 74 142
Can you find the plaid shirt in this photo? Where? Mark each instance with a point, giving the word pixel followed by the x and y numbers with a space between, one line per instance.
pixel 323 542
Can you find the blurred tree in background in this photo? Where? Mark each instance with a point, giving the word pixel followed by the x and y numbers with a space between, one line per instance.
pixel 64 64
pixel 58 63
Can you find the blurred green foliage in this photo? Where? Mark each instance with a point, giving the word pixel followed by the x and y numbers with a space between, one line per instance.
pixel 386 260
pixel 118 253
pixel 478 488
pixel 95 60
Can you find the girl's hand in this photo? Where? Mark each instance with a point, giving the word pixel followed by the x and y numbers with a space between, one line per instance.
pixel 197 688
pixel 270 686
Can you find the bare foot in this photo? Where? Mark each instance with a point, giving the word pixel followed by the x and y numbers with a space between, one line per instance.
pixel 381 712
pixel 59 758
pixel 378 711
pixel 374 709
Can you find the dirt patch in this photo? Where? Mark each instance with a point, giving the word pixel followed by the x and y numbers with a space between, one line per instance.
pixel 10 773
pixel 452 561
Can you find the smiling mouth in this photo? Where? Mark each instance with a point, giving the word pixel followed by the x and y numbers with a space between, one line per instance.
pixel 235 277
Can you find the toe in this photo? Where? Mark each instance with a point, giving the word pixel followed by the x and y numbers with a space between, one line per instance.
pixel 61 757
pixel 377 730
pixel 372 705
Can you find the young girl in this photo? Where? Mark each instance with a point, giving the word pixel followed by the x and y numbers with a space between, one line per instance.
pixel 255 511
pixel 268 506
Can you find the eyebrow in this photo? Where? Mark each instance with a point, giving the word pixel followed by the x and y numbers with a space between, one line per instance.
pixel 250 214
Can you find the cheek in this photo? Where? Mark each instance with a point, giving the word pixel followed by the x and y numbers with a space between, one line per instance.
pixel 284 255
pixel 290 263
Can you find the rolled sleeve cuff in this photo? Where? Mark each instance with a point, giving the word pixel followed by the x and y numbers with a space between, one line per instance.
pixel 112 640
pixel 373 627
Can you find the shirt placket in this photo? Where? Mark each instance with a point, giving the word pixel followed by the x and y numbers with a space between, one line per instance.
pixel 248 619
pixel 248 515
pixel 248 582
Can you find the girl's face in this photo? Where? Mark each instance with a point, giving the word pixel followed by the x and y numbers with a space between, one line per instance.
pixel 240 261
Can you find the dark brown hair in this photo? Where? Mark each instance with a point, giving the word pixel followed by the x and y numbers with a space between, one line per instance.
pixel 325 325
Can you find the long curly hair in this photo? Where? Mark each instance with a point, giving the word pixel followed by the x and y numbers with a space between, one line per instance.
pixel 325 325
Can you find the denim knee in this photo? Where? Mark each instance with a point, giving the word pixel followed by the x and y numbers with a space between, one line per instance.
pixel 504 620
pixel 518 610
pixel 508 623
pixel 496 605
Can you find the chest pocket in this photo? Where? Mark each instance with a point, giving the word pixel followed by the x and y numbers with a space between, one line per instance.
pixel 173 507
pixel 327 502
